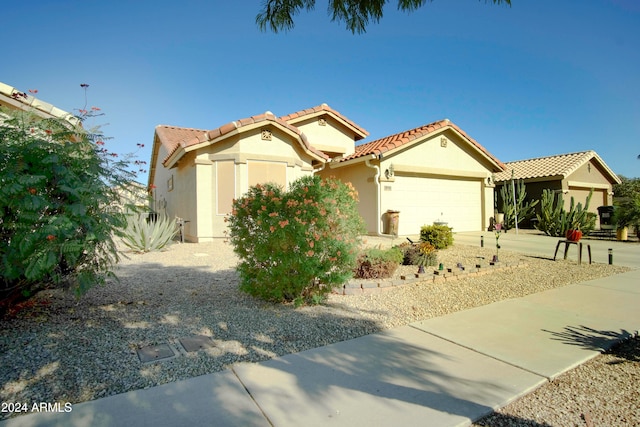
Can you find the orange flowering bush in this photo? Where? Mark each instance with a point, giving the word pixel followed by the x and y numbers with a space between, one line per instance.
pixel 296 245
pixel 56 185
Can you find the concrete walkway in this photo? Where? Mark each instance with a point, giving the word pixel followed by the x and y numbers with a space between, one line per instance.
pixel 446 371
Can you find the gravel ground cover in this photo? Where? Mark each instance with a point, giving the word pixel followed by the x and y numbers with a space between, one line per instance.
pixel 602 392
pixel 59 349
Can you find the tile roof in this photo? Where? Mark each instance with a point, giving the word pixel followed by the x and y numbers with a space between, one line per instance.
pixel 561 165
pixel 383 145
pixel 298 115
pixel 174 138
pixel 171 137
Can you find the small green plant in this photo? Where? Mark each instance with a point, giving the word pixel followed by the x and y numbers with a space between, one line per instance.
pixel 423 254
pixel 440 236
pixel 142 234
pixel 376 263
pixel 296 245
pixel 554 220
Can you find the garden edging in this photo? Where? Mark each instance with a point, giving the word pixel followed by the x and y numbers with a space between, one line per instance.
pixel 360 286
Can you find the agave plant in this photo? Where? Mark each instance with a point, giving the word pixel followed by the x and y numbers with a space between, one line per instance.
pixel 144 235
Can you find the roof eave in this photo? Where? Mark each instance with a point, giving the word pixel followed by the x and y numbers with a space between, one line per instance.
pixel 197 143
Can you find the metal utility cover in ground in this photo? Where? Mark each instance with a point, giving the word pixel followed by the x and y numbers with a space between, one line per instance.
pixel 155 352
pixel 195 343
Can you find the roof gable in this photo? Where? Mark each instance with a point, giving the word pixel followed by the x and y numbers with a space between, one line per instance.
pixel 405 139
pixel 179 141
pixel 557 166
pixel 324 109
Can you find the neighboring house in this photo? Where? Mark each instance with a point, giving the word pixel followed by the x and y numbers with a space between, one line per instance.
pixel 433 173
pixel 195 174
pixel 572 174
pixel 14 99
pixel 132 196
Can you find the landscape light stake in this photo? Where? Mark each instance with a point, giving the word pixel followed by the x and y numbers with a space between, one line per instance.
pixel 482 241
pixel 610 250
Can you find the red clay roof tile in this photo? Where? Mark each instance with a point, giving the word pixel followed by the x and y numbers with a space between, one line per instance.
pixel 361 132
pixel 175 137
pixel 390 142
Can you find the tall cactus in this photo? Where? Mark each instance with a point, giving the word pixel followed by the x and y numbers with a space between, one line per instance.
pixel 554 220
pixel 524 210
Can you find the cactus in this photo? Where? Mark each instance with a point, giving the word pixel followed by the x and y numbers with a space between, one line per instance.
pixel 524 210
pixel 554 220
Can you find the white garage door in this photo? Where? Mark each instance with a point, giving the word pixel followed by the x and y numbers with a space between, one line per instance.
pixel 421 201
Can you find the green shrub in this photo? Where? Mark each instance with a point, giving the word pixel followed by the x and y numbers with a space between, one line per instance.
pixel 296 245
pixel 440 236
pixel 56 185
pixel 378 263
pixel 145 235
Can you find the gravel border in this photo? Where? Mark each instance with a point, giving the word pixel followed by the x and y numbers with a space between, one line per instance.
pixel 59 349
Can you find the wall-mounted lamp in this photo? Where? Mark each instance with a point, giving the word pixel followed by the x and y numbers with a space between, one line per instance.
pixel 389 172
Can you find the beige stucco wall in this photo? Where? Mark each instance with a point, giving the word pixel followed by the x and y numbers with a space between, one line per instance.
pixel 174 195
pixel 444 160
pixel 448 168
pixel 590 175
pixel 361 177
pixel 333 137
pixel 429 156
pixel 195 180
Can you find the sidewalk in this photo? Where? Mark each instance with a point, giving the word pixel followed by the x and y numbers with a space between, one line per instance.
pixel 446 371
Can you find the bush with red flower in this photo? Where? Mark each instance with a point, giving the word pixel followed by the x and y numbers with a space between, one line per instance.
pixel 296 245
pixel 56 185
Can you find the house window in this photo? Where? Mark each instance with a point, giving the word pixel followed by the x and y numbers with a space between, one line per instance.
pixel 225 186
pixel 263 172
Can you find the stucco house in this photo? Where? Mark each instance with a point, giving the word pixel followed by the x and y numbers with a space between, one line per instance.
pixel 195 174
pixel 434 172
pixel 572 174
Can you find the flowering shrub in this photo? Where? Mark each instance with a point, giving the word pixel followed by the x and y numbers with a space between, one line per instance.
pixel 296 245
pixel 56 184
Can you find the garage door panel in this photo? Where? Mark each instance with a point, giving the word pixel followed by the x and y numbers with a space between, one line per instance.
pixel 422 200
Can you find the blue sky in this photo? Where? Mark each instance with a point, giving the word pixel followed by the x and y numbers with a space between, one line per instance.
pixel 542 77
